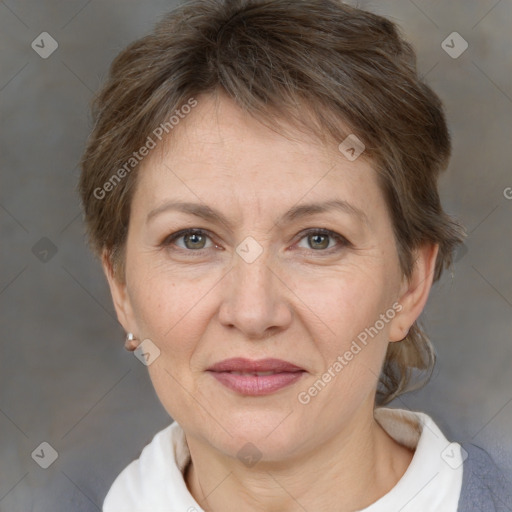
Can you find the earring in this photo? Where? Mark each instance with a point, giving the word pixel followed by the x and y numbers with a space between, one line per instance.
pixel 131 342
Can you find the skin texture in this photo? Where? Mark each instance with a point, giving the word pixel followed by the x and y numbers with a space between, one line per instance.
pixel 304 300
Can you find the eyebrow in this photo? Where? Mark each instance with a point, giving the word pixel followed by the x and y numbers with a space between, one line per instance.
pixel 296 212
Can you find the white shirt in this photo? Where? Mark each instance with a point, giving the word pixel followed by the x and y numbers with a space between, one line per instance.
pixel 432 482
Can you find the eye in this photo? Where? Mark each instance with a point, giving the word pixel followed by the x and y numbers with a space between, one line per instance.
pixel 193 239
pixel 196 240
pixel 320 240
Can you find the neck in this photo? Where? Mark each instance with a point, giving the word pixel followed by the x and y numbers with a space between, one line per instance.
pixel 349 471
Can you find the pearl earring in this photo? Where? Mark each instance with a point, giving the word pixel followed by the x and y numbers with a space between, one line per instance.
pixel 131 342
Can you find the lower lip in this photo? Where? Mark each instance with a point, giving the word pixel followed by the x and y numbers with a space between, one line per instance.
pixel 257 385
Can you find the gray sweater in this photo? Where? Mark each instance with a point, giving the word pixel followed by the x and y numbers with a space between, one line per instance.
pixel 484 486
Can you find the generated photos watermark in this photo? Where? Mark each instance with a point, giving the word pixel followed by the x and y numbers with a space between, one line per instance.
pixel 304 397
pixel 145 149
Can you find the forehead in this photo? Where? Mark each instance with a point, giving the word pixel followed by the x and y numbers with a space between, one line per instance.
pixel 218 151
pixel 218 129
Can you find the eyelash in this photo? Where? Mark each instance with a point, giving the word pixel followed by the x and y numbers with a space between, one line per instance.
pixel 342 241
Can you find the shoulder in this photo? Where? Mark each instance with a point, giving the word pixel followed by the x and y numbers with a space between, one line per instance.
pixel 145 481
pixel 484 484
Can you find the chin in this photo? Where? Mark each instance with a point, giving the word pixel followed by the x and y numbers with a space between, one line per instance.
pixel 271 435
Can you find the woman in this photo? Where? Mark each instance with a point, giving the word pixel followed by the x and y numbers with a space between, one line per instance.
pixel 261 186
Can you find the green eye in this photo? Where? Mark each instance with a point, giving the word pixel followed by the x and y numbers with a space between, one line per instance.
pixel 320 240
pixel 196 241
pixel 193 239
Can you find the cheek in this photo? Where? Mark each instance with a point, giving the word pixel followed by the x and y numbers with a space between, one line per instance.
pixel 174 311
pixel 350 336
pixel 164 302
pixel 174 314
pixel 344 302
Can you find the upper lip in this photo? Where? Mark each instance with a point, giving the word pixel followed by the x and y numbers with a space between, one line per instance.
pixel 240 364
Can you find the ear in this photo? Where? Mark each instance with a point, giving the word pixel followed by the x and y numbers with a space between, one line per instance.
pixel 414 292
pixel 119 293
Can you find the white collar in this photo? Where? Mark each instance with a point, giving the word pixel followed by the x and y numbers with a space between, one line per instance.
pixel 432 482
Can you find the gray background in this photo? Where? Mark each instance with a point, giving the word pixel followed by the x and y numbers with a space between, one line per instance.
pixel 65 378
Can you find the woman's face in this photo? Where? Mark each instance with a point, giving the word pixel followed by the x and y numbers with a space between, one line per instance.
pixel 261 283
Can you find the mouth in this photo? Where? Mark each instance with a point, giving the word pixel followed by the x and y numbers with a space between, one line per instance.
pixel 256 377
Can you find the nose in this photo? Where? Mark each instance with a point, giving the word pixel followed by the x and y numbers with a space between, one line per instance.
pixel 255 299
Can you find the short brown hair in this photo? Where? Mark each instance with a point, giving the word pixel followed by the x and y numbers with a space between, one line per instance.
pixel 320 64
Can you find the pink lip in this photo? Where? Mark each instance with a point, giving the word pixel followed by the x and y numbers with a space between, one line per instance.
pixel 284 374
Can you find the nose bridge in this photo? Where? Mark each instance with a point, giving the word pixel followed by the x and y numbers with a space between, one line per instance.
pixel 254 278
pixel 252 261
pixel 254 301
